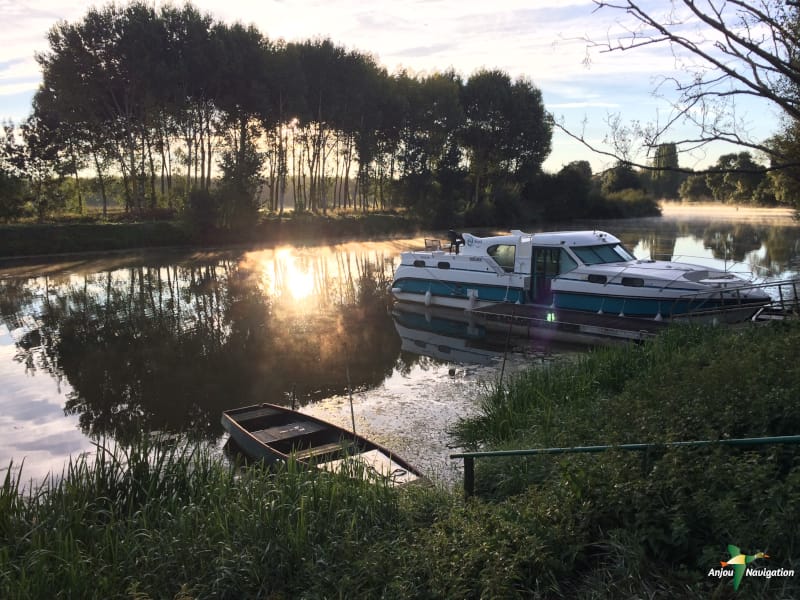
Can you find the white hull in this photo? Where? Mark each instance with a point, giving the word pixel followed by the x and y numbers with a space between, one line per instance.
pixel 580 271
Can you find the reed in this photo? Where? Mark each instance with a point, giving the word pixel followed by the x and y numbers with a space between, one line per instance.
pixel 159 521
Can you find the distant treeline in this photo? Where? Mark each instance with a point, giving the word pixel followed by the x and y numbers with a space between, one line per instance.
pixel 166 107
pixel 735 178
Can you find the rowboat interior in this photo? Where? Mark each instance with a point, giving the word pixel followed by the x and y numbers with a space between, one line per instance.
pixel 322 445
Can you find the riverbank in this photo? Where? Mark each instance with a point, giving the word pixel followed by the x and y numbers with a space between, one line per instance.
pixel 167 522
pixel 70 237
pixel 33 239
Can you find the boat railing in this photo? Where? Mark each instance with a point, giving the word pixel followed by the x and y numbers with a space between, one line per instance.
pixel 784 294
pixel 647 450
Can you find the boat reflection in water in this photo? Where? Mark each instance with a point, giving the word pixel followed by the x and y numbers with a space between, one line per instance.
pixel 463 337
pixel 429 333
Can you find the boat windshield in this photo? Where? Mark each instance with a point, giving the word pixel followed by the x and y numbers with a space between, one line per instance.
pixel 606 253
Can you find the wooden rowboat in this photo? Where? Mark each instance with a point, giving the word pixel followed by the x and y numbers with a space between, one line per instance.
pixel 274 433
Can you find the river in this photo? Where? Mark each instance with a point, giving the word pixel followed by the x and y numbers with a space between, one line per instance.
pixel 105 347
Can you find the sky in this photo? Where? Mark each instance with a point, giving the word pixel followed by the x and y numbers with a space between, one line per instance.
pixel 540 40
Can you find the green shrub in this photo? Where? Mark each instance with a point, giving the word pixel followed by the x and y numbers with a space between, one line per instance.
pixel 630 203
pixel 664 518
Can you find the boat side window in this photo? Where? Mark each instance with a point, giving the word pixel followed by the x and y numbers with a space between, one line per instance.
pixel 633 281
pixel 606 253
pixel 504 255
pixel 565 262
pixel 624 253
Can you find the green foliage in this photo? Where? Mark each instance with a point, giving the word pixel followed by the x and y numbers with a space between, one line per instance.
pixel 166 94
pixel 738 179
pixel 621 177
pixel 695 189
pixel 12 184
pixel 665 180
pixel 572 192
pixel 80 236
pixel 161 519
pixel 663 519
pixel 785 182
pixel 12 201
pixel 202 212
pixel 630 203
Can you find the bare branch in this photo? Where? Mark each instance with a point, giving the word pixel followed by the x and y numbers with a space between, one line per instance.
pixel 729 50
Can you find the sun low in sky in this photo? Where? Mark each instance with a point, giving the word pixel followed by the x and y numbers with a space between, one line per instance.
pixel 541 40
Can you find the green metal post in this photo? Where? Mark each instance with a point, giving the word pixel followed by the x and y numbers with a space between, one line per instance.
pixel 469 476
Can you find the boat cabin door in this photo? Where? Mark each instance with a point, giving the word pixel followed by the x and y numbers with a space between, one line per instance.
pixel 548 263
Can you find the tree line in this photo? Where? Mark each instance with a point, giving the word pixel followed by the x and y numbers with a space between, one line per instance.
pixel 166 107
pixel 735 178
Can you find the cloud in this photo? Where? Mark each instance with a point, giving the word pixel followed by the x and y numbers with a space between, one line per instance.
pixel 544 41
pixel 588 104
pixel 425 50
pixel 12 89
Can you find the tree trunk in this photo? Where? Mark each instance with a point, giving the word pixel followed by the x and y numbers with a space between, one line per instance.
pixel 102 183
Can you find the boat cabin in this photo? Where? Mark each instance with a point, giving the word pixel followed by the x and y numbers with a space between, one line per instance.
pixel 545 256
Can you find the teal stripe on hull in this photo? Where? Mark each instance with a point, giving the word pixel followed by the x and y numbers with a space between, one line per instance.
pixel 638 307
pixel 446 289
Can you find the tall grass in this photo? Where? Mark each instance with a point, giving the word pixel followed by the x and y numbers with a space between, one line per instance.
pixel 150 521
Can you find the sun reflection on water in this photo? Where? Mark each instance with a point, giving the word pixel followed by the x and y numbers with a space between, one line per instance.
pixel 295 279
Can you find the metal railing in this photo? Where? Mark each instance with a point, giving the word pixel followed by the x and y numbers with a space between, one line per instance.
pixel 469 457
pixel 784 299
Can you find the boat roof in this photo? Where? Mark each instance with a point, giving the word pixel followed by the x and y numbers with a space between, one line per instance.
pixel 548 238
pixel 574 238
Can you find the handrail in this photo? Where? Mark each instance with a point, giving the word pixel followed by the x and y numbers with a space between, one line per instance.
pixel 469 457
pixel 722 293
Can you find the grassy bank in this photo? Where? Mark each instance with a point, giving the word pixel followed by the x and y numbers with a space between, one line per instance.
pixel 181 524
pixel 55 238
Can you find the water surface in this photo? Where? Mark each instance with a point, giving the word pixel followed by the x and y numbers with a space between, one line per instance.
pixel 107 347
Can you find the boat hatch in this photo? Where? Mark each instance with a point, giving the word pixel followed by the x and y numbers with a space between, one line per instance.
pixel 709 278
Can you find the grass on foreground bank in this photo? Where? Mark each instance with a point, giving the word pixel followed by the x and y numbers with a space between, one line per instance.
pixel 181 524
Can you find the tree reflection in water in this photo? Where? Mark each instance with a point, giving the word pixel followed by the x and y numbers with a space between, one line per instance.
pixel 168 347
pixel 166 344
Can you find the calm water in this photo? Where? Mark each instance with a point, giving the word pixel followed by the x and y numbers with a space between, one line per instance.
pixel 104 348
